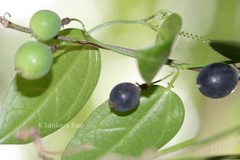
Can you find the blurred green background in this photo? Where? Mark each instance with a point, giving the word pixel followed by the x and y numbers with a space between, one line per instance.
pixel 215 19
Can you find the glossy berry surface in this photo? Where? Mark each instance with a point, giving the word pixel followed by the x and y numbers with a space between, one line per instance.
pixel 33 60
pixel 45 24
pixel 124 97
pixel 217 80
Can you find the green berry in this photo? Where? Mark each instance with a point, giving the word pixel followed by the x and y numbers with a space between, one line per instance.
pixel 45 24
pixel 33 60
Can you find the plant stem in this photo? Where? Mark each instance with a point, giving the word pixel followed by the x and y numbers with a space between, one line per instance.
pixel 9 24
pixel 169 75
pixel 121 50
pixel 152 21
pixel 199 66
pixel 116 22
pixel 170 85
pixel 79 21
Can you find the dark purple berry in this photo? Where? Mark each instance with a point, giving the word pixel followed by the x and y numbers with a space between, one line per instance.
pixel 217 80
pixel 124 97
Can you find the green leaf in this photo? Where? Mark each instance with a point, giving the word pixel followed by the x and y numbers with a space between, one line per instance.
pixel 157 119
pixel 49 103
pixel 169 29
pixel 229 49
pixel 151 60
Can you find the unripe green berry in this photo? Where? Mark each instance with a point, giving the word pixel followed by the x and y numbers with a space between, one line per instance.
pixel 33 60
pixel 45 24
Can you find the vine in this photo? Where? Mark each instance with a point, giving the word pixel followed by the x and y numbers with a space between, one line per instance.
pixel 48 77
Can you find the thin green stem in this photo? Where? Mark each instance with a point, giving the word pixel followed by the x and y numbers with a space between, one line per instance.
pixel 79 21
pixel 115 22
pixel 152 21
pixel 195 67
pixel 199 66
pixel 177 74
pixel 97 44
pixel 121 50
pixel 162 79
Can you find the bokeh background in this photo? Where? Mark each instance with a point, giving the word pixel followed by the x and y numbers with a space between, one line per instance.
pixel 215 19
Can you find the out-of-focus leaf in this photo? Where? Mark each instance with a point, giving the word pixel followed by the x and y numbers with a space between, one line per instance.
pixel 222 146
pixel 151 60
pixel 49 103
pixel 157 119
pixel 169 29
pixel 229 49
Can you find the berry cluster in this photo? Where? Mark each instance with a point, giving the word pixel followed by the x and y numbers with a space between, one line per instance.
pixel 33 59
pixel 216 80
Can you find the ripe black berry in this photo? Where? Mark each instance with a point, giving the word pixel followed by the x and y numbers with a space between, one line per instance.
pixel 124 97
pixel 217 80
